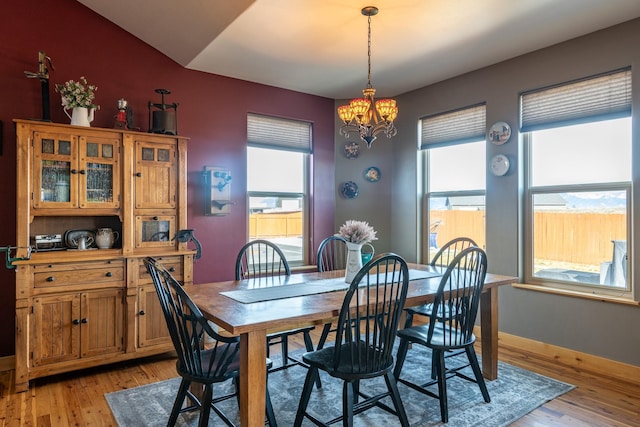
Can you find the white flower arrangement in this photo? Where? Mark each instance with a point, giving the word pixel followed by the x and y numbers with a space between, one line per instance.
pixel 77 94
pixel 359 232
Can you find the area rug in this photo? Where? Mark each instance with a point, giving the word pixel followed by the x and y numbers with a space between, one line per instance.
pixel 515 393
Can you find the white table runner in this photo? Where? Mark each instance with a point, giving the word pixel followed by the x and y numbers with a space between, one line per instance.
pixel 281 287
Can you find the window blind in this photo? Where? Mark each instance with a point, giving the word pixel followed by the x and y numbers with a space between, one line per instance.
pixel 463 125
pixel 274 132
pixel 601 97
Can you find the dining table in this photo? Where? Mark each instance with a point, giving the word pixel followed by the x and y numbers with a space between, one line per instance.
pixel 255 307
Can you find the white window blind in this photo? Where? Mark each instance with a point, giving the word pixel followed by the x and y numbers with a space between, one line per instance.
pixel 602 97
pixel 274 132
pixel 463 125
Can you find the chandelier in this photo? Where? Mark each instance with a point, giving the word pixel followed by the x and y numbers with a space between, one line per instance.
pixel 360 115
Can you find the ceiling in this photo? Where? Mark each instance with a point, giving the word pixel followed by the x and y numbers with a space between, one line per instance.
pixel 320 46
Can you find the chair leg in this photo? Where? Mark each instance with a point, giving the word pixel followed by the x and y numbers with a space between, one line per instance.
pixel 392 386
pixel 324 335
pixel 177 404
pixel 309 380
pixel 271 416
pixel 308 344
pixel 348 396
pixel 205 409
pixel 477 372
pixel 284 345
pixel 442 384
pixel 409 320
pixel 402 353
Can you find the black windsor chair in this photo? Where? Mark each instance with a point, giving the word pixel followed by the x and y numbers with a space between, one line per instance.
pixel 215 361
pixel 364 346
pixel 264 259
pixel 442 258
pixel 459 292
pixel 332 255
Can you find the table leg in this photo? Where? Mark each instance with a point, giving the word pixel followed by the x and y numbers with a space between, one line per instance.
pixel 253 378
pixel 489 333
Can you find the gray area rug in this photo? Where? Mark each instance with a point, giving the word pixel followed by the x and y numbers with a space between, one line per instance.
pixel 515 393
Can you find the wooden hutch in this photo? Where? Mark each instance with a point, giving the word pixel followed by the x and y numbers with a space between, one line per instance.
pixel 82 308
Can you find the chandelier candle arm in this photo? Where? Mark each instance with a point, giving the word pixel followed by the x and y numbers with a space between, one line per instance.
pixel 359 116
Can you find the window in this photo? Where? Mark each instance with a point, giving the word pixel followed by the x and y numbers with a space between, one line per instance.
pixel 454 155
pixel 277 181
pixel 579 185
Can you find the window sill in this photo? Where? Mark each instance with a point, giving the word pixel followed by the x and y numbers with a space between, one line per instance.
pixel 569 293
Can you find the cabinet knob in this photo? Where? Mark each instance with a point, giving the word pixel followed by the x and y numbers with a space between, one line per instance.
pixel 74 171
pixel 50 279
pixel 109 274
pixel 139 174
pixel 76 322
pixel 82 172
pixel 155 218
pixel 142 313
pixel 84 320
pixel 172 269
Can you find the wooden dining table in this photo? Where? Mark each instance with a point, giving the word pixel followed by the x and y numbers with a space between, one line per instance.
pixel 224 303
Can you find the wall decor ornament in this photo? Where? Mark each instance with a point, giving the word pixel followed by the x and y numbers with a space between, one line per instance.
pixel 372 174
pixel 349 190
pixel 499 133
pixel 351 150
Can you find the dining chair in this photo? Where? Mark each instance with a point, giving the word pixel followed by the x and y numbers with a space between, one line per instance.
pixel 332 255
pixel 459 292
pixel 204 356
pixel 263 259
pixel 367 326
pixel 442 258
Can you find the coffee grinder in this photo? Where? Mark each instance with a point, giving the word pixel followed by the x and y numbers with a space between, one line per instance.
pixel 163 119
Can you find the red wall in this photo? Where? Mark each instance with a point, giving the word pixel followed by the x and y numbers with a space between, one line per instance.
pixel 212 112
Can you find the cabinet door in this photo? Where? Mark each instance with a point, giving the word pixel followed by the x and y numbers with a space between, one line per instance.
pixel 56 329
pixel 155 231
pixel 55 168
pixel 155 175
pixel 152 326
pixel 102 322
pixel 99 172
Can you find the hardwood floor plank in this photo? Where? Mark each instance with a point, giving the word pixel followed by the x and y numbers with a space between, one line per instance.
pixel 77 398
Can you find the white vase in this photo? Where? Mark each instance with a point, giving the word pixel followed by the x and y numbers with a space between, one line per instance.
pixel 354 261
pixel 81 116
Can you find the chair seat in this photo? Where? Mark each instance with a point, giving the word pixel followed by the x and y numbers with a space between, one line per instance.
pixel 440 339
pixel 427 309
pixel 218 354
pixel 350 364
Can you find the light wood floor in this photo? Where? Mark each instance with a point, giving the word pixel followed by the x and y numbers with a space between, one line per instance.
pixel 77 399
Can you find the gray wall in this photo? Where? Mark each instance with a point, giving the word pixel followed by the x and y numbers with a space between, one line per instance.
pixel 605 329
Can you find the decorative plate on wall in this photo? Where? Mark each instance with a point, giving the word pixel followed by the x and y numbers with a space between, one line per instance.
pixel 499 133
pixel 349 190
pixel 372 174
pixel 351 150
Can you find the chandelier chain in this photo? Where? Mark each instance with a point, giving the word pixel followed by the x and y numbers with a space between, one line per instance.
pixel 369 53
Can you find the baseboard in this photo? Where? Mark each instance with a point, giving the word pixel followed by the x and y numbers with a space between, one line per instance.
pixel 7 363
pixel 570 358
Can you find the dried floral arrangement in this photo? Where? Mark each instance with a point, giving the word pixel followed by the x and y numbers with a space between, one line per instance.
pixel 359 232
pixel 77 94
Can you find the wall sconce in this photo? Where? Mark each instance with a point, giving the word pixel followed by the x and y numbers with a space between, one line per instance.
pixel 217 185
